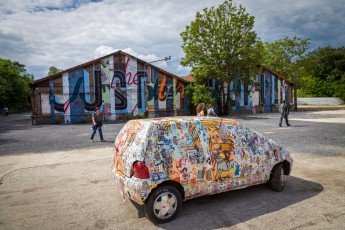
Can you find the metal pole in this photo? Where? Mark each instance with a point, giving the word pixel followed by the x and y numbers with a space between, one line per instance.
pixel 295 88
pixel 164 59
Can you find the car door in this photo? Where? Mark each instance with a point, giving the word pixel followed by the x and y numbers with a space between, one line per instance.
pixel 221 155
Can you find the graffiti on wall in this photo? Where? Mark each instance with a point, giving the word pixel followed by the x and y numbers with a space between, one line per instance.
pixel 76 95
pixel 116 92
pixel 272 91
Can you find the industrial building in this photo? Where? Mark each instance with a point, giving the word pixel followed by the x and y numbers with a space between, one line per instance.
pixel 125 87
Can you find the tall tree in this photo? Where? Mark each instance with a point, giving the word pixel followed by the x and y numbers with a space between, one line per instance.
pixel 14 84
pixel 324 73
pixel 53 70
pixel 284 55
pixel 221 44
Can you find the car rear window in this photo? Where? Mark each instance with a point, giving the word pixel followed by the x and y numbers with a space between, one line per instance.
pixel 131 144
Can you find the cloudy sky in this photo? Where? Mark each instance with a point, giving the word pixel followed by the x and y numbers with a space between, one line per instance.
pixel 66 33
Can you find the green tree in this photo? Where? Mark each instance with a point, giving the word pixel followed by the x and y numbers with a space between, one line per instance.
pixel 284 56
pixel 324 73
pixel 221 44
pixel 14 84
pixel 53 70
pixel 199 93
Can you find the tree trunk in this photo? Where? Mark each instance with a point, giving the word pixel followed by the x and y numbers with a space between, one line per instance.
pixel 223 101
pixel 227 101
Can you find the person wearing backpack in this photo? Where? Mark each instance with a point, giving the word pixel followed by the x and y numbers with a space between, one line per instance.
pixel 284 113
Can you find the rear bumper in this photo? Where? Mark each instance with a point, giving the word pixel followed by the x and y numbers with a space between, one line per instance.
pixel 135 189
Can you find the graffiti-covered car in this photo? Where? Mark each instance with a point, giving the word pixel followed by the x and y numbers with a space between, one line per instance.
pixel 161 162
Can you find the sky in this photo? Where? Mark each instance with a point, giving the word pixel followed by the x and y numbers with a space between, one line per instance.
pixel 66 33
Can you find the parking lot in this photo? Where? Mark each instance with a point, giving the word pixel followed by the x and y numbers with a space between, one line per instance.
pixel 53 177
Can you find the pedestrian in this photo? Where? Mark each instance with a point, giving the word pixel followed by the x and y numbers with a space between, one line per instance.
pixel 97 124
pixel 210 111
pixel 284 113
pixel 5 111
pixel 200 109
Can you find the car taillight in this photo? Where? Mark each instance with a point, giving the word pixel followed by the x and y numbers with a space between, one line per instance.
pixel 140 170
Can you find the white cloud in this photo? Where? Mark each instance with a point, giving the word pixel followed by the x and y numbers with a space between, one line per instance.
pixel 183 70
pixel 66 33
pixel 103 50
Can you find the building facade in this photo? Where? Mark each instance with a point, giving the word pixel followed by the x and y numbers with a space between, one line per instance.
pixel 265 96
pixel 122 86
pixel 125 87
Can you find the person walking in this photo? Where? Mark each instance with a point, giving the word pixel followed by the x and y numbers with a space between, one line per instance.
pixel 97 124
pixel 200 109
pixel 5 111
pixel 210 111
pixel 284 113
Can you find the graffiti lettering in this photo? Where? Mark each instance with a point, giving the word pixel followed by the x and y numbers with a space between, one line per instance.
pixel 161 90
pixel 121 102
pixel 132 81
pixel 141 93
pixel 120 76
pixel 180 88
pixel 76 93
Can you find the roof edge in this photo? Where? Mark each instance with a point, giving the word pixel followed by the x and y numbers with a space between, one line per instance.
pixel 100 58
pixel 277 74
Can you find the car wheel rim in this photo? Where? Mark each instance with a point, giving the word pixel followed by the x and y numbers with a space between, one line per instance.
pixel 282 177
pixel 165 205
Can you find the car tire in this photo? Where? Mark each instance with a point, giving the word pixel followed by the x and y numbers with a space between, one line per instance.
pixel 163 205
pixel 277 178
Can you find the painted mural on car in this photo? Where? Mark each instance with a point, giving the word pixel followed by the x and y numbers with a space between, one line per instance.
pixel 204 155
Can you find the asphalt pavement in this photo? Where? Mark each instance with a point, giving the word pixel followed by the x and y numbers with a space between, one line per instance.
pixel 19 136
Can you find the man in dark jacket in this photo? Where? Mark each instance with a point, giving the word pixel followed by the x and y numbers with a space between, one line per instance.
pixel 97 124
pixel 284 113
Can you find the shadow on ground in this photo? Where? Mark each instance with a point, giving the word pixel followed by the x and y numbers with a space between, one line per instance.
pixel 231 208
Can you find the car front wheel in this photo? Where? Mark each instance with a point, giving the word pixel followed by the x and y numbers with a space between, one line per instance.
pixel 163 205
pixel 277 178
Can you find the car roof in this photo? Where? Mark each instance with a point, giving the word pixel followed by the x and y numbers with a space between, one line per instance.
pixel 193 119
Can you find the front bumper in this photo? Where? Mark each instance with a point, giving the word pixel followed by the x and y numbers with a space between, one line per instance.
pixel 135 189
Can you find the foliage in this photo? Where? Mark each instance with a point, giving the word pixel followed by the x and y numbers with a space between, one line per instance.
pixel 221 44
pixel 14 84
pixel 53 70
pixel 323 73
pixel 199 93
pixel 282 55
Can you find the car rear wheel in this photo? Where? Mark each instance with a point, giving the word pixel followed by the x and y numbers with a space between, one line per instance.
pixel 277 178
pixel 163 205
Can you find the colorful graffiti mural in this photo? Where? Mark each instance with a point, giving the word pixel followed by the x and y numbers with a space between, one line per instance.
pixel 118 92
pixel 125 87
pixel 269 94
